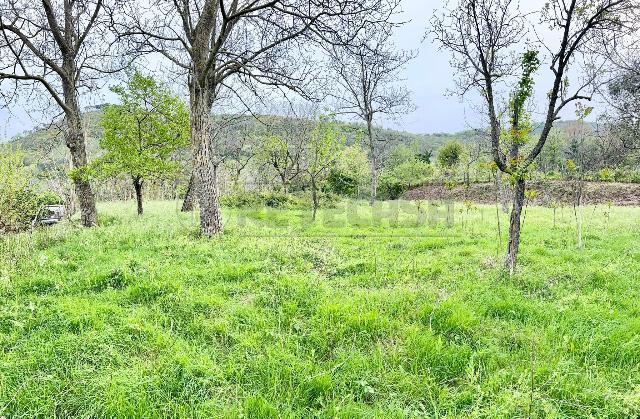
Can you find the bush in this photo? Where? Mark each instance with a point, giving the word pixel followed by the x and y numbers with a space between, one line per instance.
pixel 276 200
pixel 49 198
pixel 450 154
pixel 279 200
pixel 634 177
pixel 553 175
pixel 626 176
pixel 18 202
pixel 391 188
pixel 398 180
pixel 342 184
pixel 604 175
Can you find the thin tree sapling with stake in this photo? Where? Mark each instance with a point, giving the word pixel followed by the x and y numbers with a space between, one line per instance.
pixel 482 36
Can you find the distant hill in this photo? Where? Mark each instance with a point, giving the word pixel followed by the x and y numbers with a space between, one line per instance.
pixel 44 146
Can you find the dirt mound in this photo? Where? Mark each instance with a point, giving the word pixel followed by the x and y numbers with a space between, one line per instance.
pixel 624 194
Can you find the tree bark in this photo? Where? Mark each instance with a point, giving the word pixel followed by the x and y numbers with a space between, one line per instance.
pixel 285 183
pixel 137 185
pixel 514 226
pixel 206 172
pixel 190 196
pixel 75 141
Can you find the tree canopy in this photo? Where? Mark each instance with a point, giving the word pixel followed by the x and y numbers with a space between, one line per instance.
pixel 143 132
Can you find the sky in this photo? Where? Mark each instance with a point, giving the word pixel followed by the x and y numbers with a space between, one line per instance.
pixel 428 76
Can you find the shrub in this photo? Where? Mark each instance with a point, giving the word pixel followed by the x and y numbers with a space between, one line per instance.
pixel 49 198
pixel 401 178
pixel 605 175
pixel 450 154
pixel 390 188
pixel 626 176
pixel 275 200
pixel 553 175
pixel 342 184
pixel 18 202
pixel 350 171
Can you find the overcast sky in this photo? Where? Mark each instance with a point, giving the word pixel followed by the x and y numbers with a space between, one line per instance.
pixel 428 76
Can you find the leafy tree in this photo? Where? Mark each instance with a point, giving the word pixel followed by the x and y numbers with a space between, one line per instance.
pixel 401 154
pixel 142 133
pixel 350 171
pixel 322 150
pixel 450 155
pixel 426 156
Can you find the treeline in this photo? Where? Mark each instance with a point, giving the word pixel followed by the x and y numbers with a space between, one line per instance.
pixel 312 156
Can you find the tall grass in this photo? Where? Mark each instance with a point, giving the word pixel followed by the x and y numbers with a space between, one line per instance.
pixel 383 312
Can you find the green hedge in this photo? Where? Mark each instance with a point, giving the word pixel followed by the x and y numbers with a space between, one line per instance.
pixel 276 200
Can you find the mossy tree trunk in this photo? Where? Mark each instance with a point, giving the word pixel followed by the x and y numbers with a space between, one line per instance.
pixel 75 141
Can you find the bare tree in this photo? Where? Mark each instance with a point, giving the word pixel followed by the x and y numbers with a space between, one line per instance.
pixel 59 47
pixel 283 148
pixel 240 150
pixel 623 94
pixel 482 35
pixel 367 85
pixel 218 43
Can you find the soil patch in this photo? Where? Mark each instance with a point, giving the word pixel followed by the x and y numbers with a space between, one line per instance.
pixel 623 194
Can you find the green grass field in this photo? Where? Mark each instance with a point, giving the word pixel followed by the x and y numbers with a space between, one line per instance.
pixel 388 314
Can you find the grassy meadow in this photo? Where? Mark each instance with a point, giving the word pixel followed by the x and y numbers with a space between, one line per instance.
pixel 385 313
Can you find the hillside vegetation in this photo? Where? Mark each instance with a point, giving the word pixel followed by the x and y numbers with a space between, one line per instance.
pixel 45 145
pixel 384 314
pixel 49 141
pixel 547 192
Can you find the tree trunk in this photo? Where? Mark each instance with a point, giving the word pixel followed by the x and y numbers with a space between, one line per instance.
pixel 374 163
pixel 190 196
pixel 137 185
pixel 74 138
pixel 70 194
pixel 285 183
pixel 514 226
pixel 206 172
